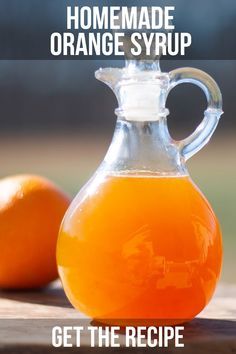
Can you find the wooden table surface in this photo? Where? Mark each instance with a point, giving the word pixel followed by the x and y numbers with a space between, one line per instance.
pixel 27 318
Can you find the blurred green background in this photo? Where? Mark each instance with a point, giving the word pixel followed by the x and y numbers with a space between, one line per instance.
pixel 70 160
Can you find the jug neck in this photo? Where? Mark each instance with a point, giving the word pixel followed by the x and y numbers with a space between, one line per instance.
pixel 143 148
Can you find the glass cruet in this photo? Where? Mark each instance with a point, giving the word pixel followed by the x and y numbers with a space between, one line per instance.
pixel 140 242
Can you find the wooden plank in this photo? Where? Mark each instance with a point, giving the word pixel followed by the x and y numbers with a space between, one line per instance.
pixel 27 319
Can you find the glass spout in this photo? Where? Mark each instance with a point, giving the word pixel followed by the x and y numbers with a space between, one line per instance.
pixel 140 87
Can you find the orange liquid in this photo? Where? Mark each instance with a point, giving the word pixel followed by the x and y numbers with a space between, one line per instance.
pixel 140 248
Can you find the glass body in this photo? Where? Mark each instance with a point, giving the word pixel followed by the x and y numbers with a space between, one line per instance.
pixel 140 243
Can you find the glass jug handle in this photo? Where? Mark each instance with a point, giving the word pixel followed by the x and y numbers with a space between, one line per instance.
pixel 200 137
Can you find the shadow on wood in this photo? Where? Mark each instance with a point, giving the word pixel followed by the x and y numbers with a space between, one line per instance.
pixel 48 296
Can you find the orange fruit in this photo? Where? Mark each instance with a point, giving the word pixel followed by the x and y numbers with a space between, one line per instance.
pixel 31 210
